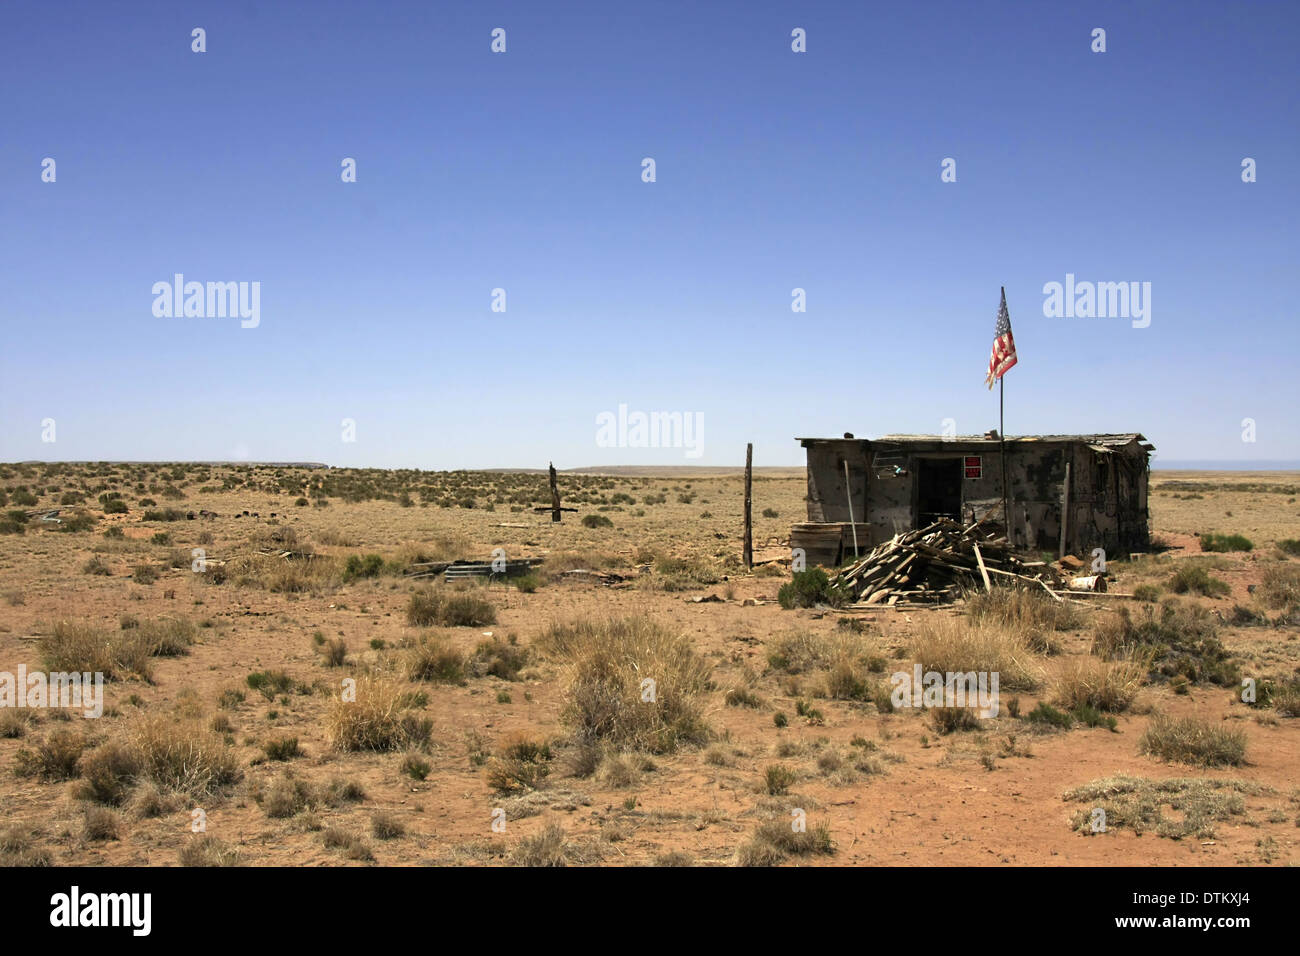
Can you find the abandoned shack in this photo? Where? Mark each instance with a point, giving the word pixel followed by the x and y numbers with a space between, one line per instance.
pixel 901 482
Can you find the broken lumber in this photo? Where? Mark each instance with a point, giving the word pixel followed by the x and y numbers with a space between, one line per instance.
pixel 937 562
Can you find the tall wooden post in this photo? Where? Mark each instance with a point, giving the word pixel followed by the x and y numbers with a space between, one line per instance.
pixel 555 495
pixel 1065 512
pixel 749 506
pixel 848 493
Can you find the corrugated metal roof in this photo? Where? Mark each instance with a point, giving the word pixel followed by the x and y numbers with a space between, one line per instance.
pixel 1111 440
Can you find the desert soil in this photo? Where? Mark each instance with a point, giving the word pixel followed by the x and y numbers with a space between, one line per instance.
pixel 956 799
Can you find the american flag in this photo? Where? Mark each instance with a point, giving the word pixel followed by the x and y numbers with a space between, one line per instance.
pixel 1004 345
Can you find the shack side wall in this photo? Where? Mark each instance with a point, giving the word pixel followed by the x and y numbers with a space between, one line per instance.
pixel 827 497
pixel 1108 503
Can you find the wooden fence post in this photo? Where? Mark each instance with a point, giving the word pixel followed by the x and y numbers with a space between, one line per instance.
pixel 555 495
pixel 749 506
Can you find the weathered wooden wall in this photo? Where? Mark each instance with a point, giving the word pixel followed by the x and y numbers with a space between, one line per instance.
pixel 1107 501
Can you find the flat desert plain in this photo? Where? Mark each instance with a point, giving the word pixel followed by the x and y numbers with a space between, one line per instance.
pixel 281 691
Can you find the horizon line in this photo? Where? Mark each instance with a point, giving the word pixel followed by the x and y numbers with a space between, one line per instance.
pixel 1171 464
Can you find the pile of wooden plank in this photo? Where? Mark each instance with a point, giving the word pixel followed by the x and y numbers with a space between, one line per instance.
pixel 937 563
pixel 453 570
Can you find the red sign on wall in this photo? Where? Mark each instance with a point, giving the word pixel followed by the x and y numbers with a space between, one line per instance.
pixel 974 467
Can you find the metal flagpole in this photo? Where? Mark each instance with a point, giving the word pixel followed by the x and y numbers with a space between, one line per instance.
pixel 1002 456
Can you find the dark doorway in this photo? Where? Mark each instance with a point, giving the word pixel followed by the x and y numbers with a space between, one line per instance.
pixel 938 490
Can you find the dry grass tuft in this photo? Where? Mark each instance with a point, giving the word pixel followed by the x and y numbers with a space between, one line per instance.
pixel 184 756
pixel 1192 740
pixel 73 646
pixel 334 652
pixel 168 636
pixel 57 757
pixel 622 771
pixel 108 773
pixel 18 848
pixel 1176 639
pixel 1030 611
pixel 354 847
pixel 1109 686
pixel 1284 697
pixel 101 823
pixel 799 652
pixel 953 645
pixel 291 794
pixel 164 754
pixel 13 723
pixel 1137 804
pixel 1195 579
pixel 778 779
pixel 448 607
pixel 150 801
pixel 435 658
pixel 523 764
pixel 778 839
pixel 378 719
pixel 1280 589
pixel 207 850
pixel 292 575
pixel 547 848
pixel 846 657
pixel 631 683
pixel 442 547
pixel 948 720
pixel 499 658
pixel 386 826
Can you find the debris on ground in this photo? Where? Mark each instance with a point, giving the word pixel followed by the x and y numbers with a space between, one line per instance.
pixel 937 563
pixel 607 578
pixel 454 570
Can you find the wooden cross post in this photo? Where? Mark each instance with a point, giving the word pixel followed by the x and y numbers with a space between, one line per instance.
pixel 555 495
pixel 554 507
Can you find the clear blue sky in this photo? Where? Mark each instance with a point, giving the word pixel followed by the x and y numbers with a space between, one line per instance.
pixel 522 170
